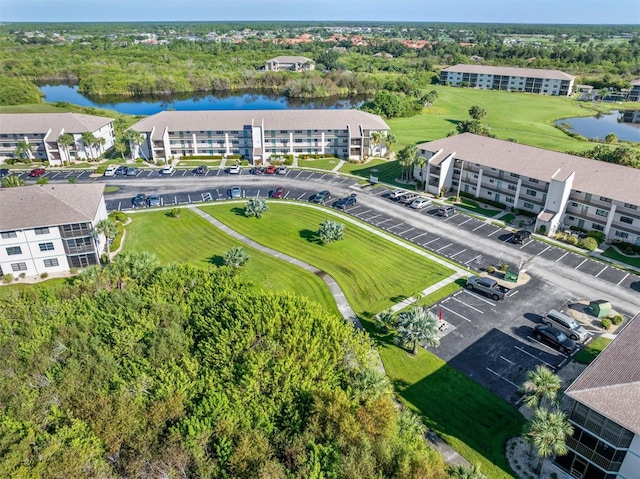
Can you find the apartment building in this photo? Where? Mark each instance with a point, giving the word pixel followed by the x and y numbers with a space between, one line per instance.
pixel 634 91
pixel 561 190
pixel 258 135
pixel 530 80
pixel 605 443
pixel 631 116
pixel 43 130
pixel 290 63
pixel 49 228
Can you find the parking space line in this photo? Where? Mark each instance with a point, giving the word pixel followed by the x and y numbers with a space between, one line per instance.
pixel 395 226
pixel 543 250
pixel 453 255
pixel 119 205
pixel 526 244
pixel 562 256
pixel 450 217
pixel 457 314
pixel 478 227
pixel 465 221
pixel 301 195
pixel 496 231
pixel 625 277
pixel 417 236
pixel 362 213
pixel 444 247
pixel 502 377
pixel 383 221
pixel 405 231
pixel 601 271
pixel 473 259
pixel 552 367
pixel 189 199
pixel 374 216
pixel 583 262
pixel 478 296
pixel 467 305
pixel 323 175
pixel 507 360
pixel 285 195
pixel 429 242
pixel 508 238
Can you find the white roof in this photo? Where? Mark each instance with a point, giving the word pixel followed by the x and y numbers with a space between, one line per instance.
pixel 23 123
pixel 510 71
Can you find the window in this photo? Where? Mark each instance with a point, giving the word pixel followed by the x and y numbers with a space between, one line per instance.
pixel 626 219
pixel 531 192
pixel 46 246
pixel 571 218
pixel 515 175
pixel 574 204
pixel 528 205
pixel 14 250
pixel 605 199
pixel 9 234
pixel 509 199
pixel 630 206
pixel 620 234
pixel 600 212
pixel 491 180
pixel 533 180
pixel 19 267
pixel 50 263
pixel 597 226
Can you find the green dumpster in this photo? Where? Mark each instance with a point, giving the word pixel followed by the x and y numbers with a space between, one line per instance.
pixel 512 274
pixel 599 308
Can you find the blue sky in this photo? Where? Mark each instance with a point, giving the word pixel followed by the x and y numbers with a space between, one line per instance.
pixel 497 11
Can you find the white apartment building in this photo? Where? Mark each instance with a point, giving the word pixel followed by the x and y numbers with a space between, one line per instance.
pixel 605 443
pixel 290 63
pixel 42 131
pixel 530 80
pixel 49 228
pixel 561 190
pixel 258 135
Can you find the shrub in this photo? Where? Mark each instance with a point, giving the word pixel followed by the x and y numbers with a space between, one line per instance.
pixel 104 259
pixel 73 270
pixel 7 278
pixel 174 213
pixel 22 275
pixel 542 229
pixel 617 319
pixel 139 160
pixel 117 239
pixel 101 169
pixel 577 228
pixel 567 238
pixel 590 244
pixel 288 161
pixel 120 216
pixel 504 267
pixel 605 323
pixel 599 236
pixel 44 275
pixel 521 223
pixel 491 269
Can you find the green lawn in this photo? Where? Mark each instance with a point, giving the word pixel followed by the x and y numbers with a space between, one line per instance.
pixel 613 253
pixel 373 274
pixel 191 239
pixel 386 171
pixel 208 163
pixel 507 218
pixel 471 205
pixel 591 350
pixel 17 286
pixel 320 163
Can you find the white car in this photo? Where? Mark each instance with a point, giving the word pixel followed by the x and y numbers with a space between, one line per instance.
pixel 111 170
pixel 420 203
pixel 234 170
pixel 397 194
pixel 282 170
pixel 167 170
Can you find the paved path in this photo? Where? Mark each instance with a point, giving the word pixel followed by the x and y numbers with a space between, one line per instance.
pixel 336 168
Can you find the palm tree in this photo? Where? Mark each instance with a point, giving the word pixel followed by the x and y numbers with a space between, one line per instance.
pixel 368 384
pixel 89 141
pixel 99 143
pixel 377 138
pixel 135 139
pixel 43 180
pixel 541 384
pixel 331 231
pixel 255 207
pixel 547 431
pixel 421 162
pixel 466 472
pixel 384 319
pixel 236 257
pixel 12 181
pixel 24 151
pixel 107 228
pixel 418 326
pixel 478 112
pixel 407 158
pixel 65 141
pixel 120 146
pixel 389 140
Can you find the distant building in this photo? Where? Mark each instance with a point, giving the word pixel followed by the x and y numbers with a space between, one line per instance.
pixel 530 80
pixel 631 116
pixel 605 443
pixel 258 135
pixel 634 92
pixel 49 228
pixel 561 190
pixel 42 131
pixel 296 64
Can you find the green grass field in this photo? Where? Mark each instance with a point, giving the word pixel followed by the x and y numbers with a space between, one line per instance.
pixel 471 205
pixel 386 171
pixel 191 239
pixel 320 163
pixel 613 253
pixel 591 350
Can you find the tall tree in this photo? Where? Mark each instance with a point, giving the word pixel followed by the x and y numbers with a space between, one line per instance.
pixel 478 112
pixel 88 142
pixel 547 431
pixel 134 139
pixel 418 326
pixel 407 158
pixel 120 146
pixel 99 142
pixel 107 228
pixel 390 140
pixel 377 138
pixel 12 181
pixel 65 141
pixel 421 162
pixel 541 384
pixel 23 151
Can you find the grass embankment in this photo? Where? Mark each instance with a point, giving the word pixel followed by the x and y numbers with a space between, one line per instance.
pixel 385 170
pixel 613 253
pixel 591 350
pixel 473 420
pixel 6 290
pixel 471 205
pixel 191 239
pixel 319 163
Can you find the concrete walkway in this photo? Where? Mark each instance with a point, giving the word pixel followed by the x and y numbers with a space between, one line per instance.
pixel 336 168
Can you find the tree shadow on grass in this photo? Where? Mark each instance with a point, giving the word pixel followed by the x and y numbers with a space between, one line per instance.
pixel 216 260
pixel 310 236
pixel 398 298
pixel 454 122
pixel 238 210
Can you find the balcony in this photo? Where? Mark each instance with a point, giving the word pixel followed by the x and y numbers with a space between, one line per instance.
pixel 593 456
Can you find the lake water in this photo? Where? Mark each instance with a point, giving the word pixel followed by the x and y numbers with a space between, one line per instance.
pixel 148 105
pixel 599 127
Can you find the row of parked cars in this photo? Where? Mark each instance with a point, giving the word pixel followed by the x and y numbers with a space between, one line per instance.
pixel 418 202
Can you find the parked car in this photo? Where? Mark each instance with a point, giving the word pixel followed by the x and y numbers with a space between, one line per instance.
pixel 321 197
pixel 346 201
pixel 153 200
pixel 167 170
pixel 279 192
pixel 446 211
pixel 521 237
pixel 39 171
pixel 122 170
pixel 235 192
pixel 111 170
pixel 409 198
pixel 234 170
pixel 282 170
pixel 201 170
pixel 420 203
pixel 270 170
pixel 566 324
pixel 4 172
pixel 555 338
pixel 488 286
pixel 397 194
pixel 140 200
pixel 257 170
pixel 131 171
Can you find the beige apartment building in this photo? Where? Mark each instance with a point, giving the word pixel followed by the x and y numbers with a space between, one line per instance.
pixel 259 135
pixel 42 131
pixel 529 80
pixel 561 190
pixel 290 63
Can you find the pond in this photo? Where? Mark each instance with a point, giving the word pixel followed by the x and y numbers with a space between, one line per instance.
pixel 237 100
pixel 600 126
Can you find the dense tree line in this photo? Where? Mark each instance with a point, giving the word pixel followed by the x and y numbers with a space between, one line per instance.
pixel 136 370
pixel 16 91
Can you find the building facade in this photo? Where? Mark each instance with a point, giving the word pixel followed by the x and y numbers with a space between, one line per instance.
pixel 43 130
pixel 560 190
pixel 259 135
pixel 605 443
pixel 289 63
pixel 634 91
pixel 530 80
pixel 49 228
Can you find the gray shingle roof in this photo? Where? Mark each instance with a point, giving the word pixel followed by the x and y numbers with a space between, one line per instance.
pixel 290 59
pixel 611 384
pixel 38 206
pixel 225 120
pixel 591 176
pixel 510 71
pixel 14 123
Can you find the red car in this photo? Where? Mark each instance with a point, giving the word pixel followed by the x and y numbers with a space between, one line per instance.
pixel 39 171
pixel 270 170
pixel 279 192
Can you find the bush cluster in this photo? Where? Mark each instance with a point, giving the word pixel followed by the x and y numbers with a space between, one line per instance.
pixel 590 244
pixel 599 236
pixel 605 323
